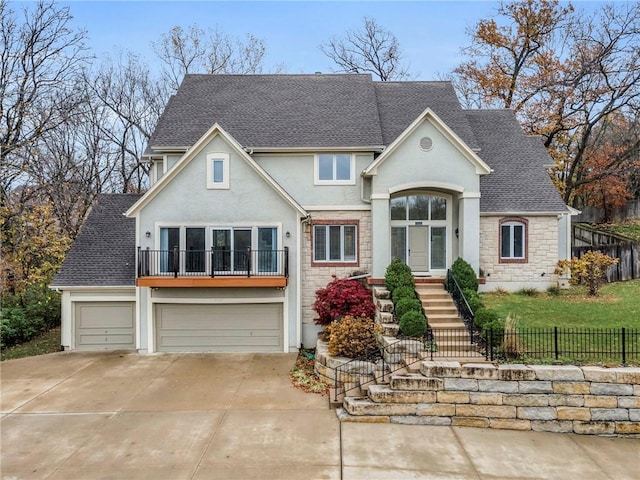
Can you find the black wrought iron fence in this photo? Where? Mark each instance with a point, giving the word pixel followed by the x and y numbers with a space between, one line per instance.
pixel 564 345
pixel 522 345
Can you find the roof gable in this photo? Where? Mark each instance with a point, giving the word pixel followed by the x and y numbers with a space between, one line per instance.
pixel 429 115
pixel 214 131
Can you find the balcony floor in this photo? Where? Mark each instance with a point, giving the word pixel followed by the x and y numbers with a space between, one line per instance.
pixel 230 281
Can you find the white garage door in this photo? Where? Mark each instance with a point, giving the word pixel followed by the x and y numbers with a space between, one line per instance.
pixel 104 325
pixel 254 327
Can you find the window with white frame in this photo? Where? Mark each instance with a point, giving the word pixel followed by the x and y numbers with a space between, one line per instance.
pixel 334 169
pixel 335 243
pixel 513 240
pixel 217 170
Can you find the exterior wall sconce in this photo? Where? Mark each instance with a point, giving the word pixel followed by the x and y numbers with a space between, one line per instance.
pixel 457 233
pixel 147 234
pixel 288 234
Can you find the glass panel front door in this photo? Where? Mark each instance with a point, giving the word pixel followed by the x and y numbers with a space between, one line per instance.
pixel 438 248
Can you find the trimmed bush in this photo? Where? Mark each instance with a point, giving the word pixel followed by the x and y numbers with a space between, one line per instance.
pixel 413 324
pixel 353 337
pixel 473 299
pixel 407 304
pixel 403 292
pixel 486 319
pixel 398 274
pixel 343 297
pixel 465 275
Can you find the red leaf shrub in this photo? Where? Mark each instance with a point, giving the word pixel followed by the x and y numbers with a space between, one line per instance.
pixel 343 297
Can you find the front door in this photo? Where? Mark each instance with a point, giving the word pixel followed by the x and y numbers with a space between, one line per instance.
pixel 419 248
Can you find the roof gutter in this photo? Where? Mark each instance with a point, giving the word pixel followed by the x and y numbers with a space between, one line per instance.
pixel 365 148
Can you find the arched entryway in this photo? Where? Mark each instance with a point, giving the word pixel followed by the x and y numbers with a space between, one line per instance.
pixel 421 230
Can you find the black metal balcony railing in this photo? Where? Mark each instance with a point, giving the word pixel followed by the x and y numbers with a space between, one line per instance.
pixel 213 263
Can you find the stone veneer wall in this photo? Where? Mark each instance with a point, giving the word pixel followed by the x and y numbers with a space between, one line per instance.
pixel 582 400
pixel 542 254
pixel 316 277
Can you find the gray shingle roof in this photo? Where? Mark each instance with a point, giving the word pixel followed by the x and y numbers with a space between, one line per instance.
pixel 519 181
pixel 104 252
pixel 283 111
pixel 273 111
pixel 400 103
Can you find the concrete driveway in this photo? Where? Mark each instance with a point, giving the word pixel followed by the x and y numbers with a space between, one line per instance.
pixel 229 416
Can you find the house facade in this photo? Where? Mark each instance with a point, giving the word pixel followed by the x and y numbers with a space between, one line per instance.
pixel 264 187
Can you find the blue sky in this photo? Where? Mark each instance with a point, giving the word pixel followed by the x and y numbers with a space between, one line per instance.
pixel 430 32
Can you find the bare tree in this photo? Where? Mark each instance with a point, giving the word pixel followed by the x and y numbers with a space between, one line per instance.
pixel 371 49
pixel 133 102
pixel 196 50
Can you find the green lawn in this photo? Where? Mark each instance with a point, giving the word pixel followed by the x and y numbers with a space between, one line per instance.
pixel 617 306
pixel 48 342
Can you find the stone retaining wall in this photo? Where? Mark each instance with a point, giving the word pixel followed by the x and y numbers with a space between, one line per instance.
pixel 583 400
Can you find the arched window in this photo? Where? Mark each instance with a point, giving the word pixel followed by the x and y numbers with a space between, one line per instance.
pixel 513 240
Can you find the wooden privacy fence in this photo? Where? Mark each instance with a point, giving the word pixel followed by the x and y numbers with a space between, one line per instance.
pixel 627 252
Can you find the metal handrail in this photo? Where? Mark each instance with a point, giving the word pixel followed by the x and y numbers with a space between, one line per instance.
pixel 213 263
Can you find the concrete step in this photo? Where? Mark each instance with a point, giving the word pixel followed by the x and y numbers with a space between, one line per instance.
pixel 386 394
pixel 366 406
pixel 447 325
pixel 412 363
pixel 390 329
pixel 440 310
pixel 455 347
pixel 440 318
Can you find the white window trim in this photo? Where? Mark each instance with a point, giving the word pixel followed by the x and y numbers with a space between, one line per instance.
pixel 211 157
pixel 352 170
pixel 327 243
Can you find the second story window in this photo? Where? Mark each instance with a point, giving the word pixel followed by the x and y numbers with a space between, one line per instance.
pixel 334 169
pixel 218 171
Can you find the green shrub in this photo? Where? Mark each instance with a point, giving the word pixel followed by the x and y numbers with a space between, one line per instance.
pixel 473 299
pixel 353 337
pixel 465 275
pixel 403 292
pixel 398 274
pixel 485 317
pixel 16 328
pixel 413 324
pixel 407 304
pixel 42 303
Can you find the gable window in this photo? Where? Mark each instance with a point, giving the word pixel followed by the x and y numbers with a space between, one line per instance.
pixel 335 169
pixel 218 171
pixel 513 240
pixel 335 243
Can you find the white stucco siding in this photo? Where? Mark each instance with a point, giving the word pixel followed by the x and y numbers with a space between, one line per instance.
pixel 443 163
pixel 316 276
pixel 542 254
pixel 248 202
pixel 296 174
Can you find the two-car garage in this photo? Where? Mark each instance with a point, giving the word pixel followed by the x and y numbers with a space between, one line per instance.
pixel 250 327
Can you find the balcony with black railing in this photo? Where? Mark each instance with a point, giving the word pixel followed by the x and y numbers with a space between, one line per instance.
pixel 218 267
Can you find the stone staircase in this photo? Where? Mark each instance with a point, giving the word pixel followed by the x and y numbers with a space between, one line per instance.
pixel 449 331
